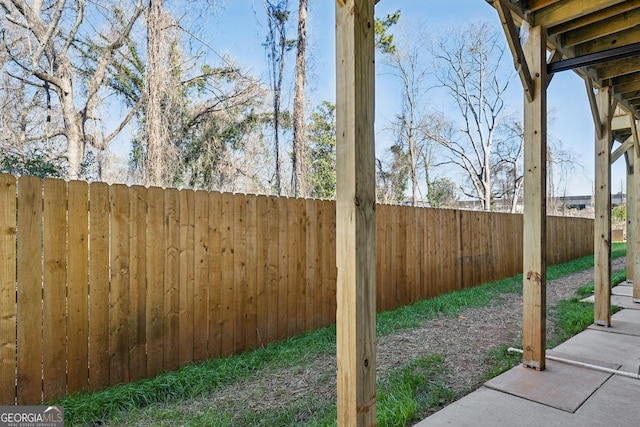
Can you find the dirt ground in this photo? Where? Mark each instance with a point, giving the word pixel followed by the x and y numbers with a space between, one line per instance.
pixel 463 341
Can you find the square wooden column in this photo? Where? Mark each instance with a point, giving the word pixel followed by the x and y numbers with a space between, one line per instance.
pixel 629 156
pixel 535 204
pixel 355 213
pixel 633 212
pixel 602 226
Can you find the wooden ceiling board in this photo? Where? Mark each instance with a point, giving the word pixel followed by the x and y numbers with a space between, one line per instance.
pixel 567 10
pixel 626 88
pixel 594 17
pixel 621 38
pixel 617 68
pixel 603 28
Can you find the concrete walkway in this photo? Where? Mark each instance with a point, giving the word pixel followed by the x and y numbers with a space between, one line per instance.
pixel 563 394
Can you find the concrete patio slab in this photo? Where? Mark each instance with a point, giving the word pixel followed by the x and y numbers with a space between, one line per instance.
pixel 621 327
pixel 525 397
pixel 560 385
pixel 615 403
pixel 626 291
pixel 623 322
pixel 628 316
pixel 608 347
pixel 487 407
pixel 619 300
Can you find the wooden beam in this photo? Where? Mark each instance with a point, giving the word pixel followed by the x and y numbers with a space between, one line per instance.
pixel 627 87
pixel 355 213
pixel 622 149
pixel 534 5
pixel 602 28
pixel 602 227
pixel 617 68
pixel 535 200
pixel 568 10
pixel 594 107
pixel 616 40
pixel 513 39
pixel 602 14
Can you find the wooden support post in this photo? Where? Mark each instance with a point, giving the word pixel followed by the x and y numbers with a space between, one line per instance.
pixel 633 215
pixel 630 157
pixel 535 204
pixel 355 213
pixel 602 227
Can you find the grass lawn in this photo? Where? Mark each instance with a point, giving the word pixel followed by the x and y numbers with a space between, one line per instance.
pixel 402 393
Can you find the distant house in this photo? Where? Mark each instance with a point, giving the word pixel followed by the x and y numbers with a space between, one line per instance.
pixel 585 202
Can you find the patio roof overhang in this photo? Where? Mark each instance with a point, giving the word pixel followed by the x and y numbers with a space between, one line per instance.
pixel 598 39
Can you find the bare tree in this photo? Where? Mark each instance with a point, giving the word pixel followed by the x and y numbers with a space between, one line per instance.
pixel 507 168
pixel 277 46
pixel 408 64
pixel 469 69
pixel 43 45
pixel 299 158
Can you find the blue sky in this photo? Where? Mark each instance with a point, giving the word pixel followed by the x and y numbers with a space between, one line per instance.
pixel 239 30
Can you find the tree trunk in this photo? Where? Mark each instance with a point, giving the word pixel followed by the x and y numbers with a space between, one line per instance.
pixel 299 124
pixel 72 122
pixel 153 169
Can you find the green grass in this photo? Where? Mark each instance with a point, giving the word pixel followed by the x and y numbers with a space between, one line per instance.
pixel 499 360
pixel 407 391
pixel 570 318
pixel 199 379
pixel 616 278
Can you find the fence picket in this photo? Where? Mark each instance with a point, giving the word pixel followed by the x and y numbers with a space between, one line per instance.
pixel 155 264
pixel 119 292
pixel 7 289
pixel 262 272
pixel 54 288
pixel 29 324
pixel 299 261
pixel 99 285
pixel 251 256
pixel 214 345
pixel 171 350
pixel 293 287
pixel 239 272
pixel 227 283
pixel 273 273
pixel 187 271
pixel 283 268
pixel 330 271
pixel 138 283
pixel 78 286
pixel 201 276
pixel 311 265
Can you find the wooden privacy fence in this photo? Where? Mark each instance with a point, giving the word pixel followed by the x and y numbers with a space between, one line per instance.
pixel 101 285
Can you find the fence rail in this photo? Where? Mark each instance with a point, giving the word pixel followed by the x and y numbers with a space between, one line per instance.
pixel 101 285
